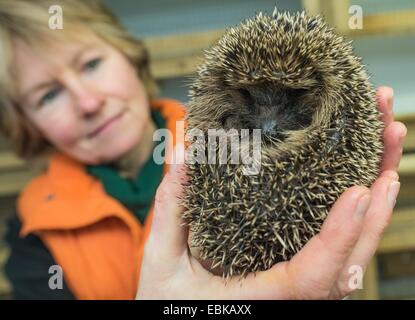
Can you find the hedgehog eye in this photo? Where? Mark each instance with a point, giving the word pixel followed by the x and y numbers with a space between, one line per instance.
pixel 247 97
pixel 296 93
pixel 245 94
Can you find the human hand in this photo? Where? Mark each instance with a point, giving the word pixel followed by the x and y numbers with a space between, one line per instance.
pixel 349 237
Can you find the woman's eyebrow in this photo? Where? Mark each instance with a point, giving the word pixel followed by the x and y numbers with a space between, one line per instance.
pixel 37 87
pixel 73 61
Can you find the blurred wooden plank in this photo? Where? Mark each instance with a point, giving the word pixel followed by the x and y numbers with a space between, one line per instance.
pixel 407 164
pixel 399 288
pixel 176 66
pixel 397 264
pixel 9 160
pixel 400 235
pixel 4 144
pixel 179 55
pixel 313 7
pixel 336 14
pixel 177 45
pixel 397 22
pixel 7 209
pixel 371 281
pixel 370 290
pixel 12 182
pixel 406 194
pixel 409 121
pixel 5 288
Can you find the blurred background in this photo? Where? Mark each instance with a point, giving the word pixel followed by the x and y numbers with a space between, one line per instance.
pixel 177 31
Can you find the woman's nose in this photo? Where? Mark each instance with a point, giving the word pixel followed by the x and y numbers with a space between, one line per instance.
pixel 87 97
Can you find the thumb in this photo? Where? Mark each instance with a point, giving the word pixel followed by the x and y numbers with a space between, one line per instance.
pixel 168 236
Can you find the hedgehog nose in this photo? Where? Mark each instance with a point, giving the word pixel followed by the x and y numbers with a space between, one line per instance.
pixel 268 127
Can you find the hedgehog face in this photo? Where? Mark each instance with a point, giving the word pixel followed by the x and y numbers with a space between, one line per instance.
pixel 270 107
pixel 266 74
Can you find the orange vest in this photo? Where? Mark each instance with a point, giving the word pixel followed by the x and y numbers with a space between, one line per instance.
pixel 97 241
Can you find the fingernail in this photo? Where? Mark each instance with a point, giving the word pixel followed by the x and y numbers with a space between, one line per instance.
pixel 403 135
pixel 393 193
pixel 362 205
pixel 391 174
pixel 390 96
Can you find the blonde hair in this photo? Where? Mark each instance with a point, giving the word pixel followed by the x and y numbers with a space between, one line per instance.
pixel 28 20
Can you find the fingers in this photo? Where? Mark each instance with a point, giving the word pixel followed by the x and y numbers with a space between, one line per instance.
pixel 384 192
pixel 384 98
pixel 319 263
pixel 394 133
pixel 393 139
pixel 168 235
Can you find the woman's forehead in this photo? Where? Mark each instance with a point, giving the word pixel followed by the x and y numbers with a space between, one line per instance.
pixel 34 64
pixel 57 48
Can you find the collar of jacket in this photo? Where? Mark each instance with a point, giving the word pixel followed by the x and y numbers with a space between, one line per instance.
pixel 54 199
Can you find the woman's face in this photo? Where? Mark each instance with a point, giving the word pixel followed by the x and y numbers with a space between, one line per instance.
pixel 86 99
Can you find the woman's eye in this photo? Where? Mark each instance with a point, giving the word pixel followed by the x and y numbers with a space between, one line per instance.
pixel 92 64
pixel 49 96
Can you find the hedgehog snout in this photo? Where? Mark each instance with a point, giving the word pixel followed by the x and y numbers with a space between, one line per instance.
pixel 273 107
pixel 275 118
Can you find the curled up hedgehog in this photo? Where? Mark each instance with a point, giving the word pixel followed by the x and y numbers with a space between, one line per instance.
pixel 292 77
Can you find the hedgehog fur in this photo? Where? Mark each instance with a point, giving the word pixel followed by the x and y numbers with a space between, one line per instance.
pixel 294 78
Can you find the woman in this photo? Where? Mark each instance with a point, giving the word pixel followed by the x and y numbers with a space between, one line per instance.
pixel 84 99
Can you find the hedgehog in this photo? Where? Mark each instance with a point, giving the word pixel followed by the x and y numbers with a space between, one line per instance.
pixel 292 77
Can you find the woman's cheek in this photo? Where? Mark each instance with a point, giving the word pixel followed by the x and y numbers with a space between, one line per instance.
pixel 62 132
pixel 120 79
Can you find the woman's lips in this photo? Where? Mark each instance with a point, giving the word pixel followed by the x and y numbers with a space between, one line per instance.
pixel 106 125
